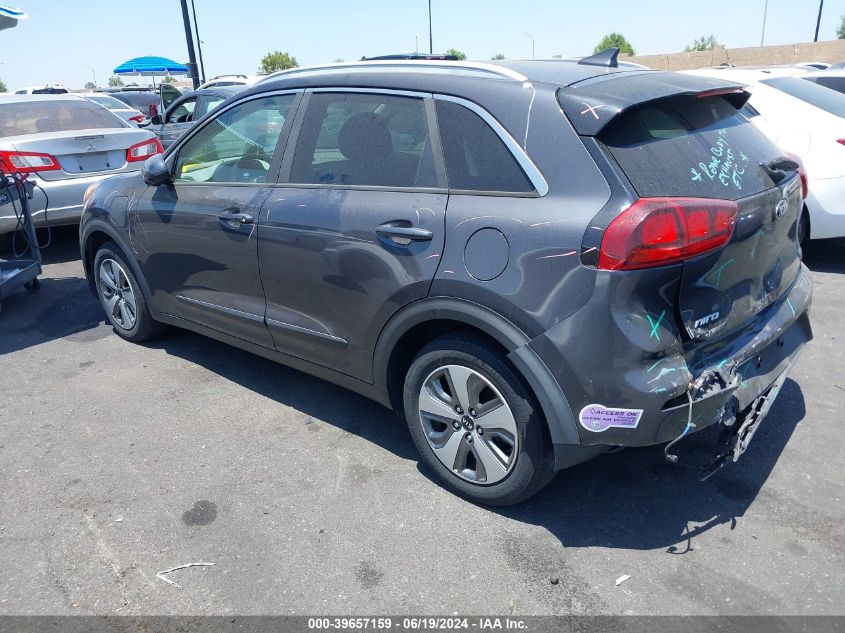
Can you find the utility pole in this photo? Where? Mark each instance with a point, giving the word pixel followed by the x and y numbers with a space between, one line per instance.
pixel 430 37
pixel 189 40
pixel 199 41
pixel 819 20
pixel 765 11
pixel 93 73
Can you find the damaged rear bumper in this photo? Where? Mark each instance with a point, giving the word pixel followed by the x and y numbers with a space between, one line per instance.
pixel 650 396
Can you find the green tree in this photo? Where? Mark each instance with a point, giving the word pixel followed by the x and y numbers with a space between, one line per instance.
pixel 115 81
pixel 168 80
pixel 498 56
pixel 275 61
pixel 90 85
pixel 456 53
pixel 614 40
pixel 3 87
pixel 702 44
pixel 840 32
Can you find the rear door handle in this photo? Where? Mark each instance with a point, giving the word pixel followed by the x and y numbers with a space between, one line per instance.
pixel 232 217
pixel 413 233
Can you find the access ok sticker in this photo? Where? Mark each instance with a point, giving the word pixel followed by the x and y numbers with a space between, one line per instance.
pixel 598 418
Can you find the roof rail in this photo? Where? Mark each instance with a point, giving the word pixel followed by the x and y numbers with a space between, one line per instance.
pixel 420 65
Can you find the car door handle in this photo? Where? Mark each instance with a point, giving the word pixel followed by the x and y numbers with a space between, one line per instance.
pixel 413 233
pixel 234 216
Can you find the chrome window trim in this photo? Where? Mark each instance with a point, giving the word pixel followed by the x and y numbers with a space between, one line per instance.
pixel 516 150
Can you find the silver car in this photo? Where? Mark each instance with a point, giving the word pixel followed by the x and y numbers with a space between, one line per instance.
pixel 63 144
pixel 131 115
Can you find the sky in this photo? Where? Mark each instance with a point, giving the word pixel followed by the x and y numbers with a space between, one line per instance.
pixel 62 38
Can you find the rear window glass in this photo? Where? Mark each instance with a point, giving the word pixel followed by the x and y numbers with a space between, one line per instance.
pixel 110 102
pixel 476 158
pixel 690 146
pixel 814 94
pixel 834 83
pixel 36 117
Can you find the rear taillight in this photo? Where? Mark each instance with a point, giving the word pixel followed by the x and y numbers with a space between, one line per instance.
pixel 142 151
pixel 842 141
pixel 658 231
pixel 802 173
pixel 137 118
pixel 28 162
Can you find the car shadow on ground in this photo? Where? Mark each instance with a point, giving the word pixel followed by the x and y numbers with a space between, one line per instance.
pixel 826 256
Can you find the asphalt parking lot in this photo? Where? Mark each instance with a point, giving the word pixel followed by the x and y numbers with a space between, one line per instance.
pixel 119 461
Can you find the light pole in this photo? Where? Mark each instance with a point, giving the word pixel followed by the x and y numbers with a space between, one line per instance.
pixel 199 42
pixel 93 73
pixel 818 20
pixel 532 43
pixel 430 37
pixel 763 32
pixel 189 41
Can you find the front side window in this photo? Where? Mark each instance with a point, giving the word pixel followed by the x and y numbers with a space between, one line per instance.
pixel 237 146
pixel 364 139
pixel 182 112
pixel 476 157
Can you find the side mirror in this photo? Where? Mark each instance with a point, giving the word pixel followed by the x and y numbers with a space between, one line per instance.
pixel 156 120
pixel 155 171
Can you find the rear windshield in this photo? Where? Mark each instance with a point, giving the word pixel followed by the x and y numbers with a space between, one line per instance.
pixel 110 102
pixel 36 117
pixel 814 94
pixel 690 146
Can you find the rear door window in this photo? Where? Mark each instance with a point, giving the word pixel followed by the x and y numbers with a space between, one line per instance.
pixel 690 146
pixel 364 139
pixel 832 82
pixel 476 158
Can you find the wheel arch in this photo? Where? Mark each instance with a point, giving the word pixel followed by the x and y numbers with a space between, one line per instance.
pixel 422 321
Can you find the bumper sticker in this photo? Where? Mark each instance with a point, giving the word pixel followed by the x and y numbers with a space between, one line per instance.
pixel 598 418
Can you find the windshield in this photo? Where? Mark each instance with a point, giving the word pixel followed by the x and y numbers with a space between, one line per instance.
pixel 809 92
pixel 36 117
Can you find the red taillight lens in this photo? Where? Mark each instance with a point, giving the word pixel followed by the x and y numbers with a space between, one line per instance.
pixel 658 231
pixel 802 173
pixel 137 118
pixel 28 162
pixel 842 141
pixel 142 151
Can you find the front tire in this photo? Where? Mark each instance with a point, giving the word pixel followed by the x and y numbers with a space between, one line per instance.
pixel 121 296
pixel 474 422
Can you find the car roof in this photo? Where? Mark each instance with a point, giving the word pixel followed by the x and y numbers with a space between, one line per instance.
pixel 555 71
pixel 29 98
pixel 830 72
pixel 217 90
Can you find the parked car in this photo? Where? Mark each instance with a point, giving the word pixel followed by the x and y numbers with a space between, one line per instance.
pixel 807 120
pixel 621 266
pixel 55 89
pixel 127 113
pixel 181 113
pixel 231 80
pixel 63 144
pixel 140 100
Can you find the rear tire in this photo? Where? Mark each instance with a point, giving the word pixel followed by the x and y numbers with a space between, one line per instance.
pixel 804 229
pixel 121 296
pixel 474 422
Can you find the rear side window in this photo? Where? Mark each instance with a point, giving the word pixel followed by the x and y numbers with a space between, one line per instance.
pixel 36 117
pixel 364 139
pixel 690 146
pixel 476 158
pixel 808 92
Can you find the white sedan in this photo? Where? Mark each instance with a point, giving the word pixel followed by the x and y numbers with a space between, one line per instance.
pixel 807 120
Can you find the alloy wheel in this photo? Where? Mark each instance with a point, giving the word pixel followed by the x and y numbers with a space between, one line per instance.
pixel 117 294
pixel 468 424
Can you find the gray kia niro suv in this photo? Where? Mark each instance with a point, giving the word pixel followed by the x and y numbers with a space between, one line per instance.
pixel 531 262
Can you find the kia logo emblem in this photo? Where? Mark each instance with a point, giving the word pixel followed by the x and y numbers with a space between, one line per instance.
pixel 780 209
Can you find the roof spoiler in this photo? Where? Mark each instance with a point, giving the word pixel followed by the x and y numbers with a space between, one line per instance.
pixel 607 57
pixel 590 105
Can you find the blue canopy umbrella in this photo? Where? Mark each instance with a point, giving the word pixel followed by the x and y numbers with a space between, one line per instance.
pixel 9 17
pixel 150 66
